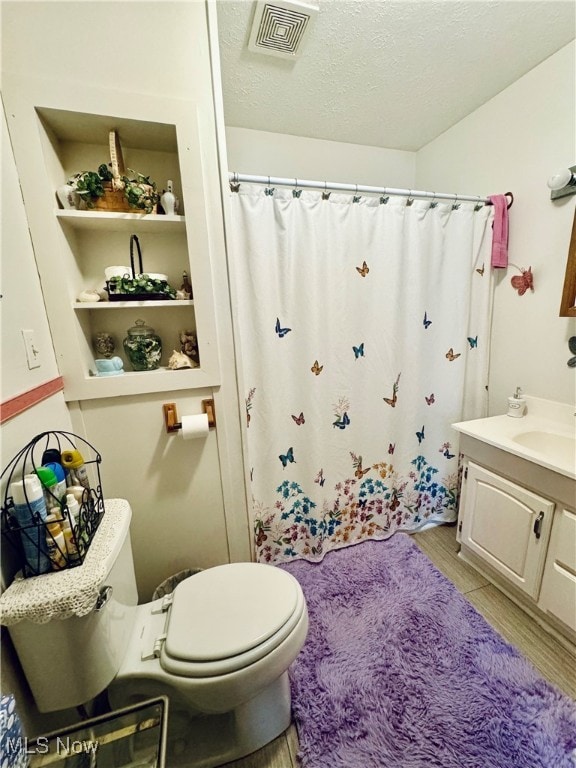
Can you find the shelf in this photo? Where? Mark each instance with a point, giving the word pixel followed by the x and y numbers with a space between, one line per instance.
pixel 120 222
pixel 136 383
pixel 172 303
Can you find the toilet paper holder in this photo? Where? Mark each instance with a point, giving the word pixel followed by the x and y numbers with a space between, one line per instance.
pixel 171 415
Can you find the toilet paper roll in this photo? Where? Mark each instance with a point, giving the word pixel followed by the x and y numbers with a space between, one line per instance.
pixel 194 427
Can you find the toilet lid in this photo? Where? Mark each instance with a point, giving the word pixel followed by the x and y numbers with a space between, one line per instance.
pixel 228 610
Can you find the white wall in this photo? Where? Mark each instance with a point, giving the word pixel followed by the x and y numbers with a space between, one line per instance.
pixel 514 143
pixel 196 513
pixel 261 153
pixel 23 307
pixel 188 498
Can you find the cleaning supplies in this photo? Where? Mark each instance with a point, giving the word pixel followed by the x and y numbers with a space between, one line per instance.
pixel 73 463
pixel 58 470
pixel 516 405
pixel 55 543
pixel 50 484
pixel 30 512
pixel 72 549
pixel 76 521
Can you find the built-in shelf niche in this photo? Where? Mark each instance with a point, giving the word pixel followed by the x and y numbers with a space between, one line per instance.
pixel 83 242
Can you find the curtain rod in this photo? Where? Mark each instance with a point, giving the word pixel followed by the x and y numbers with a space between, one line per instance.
pixel 237 178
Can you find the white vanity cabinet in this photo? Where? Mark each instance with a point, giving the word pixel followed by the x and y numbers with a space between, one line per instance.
pixel 558 594
pixel 517 526
pixel 506 525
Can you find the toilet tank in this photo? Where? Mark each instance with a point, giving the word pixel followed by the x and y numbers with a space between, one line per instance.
pixel 68 661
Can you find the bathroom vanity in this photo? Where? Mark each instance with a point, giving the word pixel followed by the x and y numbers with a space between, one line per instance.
pixel 517 514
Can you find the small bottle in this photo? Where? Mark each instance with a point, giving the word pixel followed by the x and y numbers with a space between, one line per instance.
pixel 73 463
pixel 73 508
pixel 72 550
pixel 55 543
pixel 186 284
pixel 77 492
pixel 51 454
pixel 50 484
pixel 58 470
pixel 168 200
pixel 75 519
pixel 30 512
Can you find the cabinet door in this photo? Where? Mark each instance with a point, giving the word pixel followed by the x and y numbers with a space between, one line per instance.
pixel 507 526
pixel 558 595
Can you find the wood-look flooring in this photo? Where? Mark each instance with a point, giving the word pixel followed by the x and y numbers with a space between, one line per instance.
pixel 550 657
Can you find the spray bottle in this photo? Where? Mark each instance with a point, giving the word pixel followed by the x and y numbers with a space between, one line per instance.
pixel 73 463
pixel 30 512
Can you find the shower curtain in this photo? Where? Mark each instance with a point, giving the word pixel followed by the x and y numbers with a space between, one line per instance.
pixel 363 328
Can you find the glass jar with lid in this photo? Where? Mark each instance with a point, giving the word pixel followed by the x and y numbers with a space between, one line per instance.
pixel 143 347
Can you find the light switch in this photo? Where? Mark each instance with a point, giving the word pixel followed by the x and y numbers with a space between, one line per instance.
pixel 32 352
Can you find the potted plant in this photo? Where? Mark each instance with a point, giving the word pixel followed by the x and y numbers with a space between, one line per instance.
pixel 138 288
pixel 99 190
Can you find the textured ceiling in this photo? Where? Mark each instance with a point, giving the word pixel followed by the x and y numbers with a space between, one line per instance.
pixel 387 73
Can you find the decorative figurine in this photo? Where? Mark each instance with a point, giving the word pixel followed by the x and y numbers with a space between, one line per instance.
pixel 104 344
pixel 189 345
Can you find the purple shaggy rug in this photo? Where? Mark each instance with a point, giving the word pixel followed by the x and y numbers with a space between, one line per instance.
pixel 400 671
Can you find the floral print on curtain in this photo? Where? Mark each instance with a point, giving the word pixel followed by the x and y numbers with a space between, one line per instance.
pixel 363 329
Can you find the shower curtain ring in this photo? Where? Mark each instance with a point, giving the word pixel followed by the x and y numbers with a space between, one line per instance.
pixel 325 194
pixel 456 204
pixel 410 199
pixel 433 204
pixel 356 197
pixel 296 192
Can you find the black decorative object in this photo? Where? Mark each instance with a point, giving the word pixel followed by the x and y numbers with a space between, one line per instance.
pixel 34 534
pixel 572 346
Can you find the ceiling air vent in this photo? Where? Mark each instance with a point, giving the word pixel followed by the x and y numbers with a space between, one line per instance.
pixel 279 29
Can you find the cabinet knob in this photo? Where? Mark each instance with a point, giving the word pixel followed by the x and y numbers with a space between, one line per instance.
pixel 538 525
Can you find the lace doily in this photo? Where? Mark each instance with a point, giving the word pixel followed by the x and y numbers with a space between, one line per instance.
pixel 74 591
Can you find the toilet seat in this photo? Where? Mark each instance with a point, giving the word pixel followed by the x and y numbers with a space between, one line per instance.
pixel 227 617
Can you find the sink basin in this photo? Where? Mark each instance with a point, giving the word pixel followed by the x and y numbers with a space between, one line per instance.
pixel 559 447
pixel 545 435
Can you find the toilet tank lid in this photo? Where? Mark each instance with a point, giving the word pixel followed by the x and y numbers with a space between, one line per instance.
pixel 229 609
pixel 74 591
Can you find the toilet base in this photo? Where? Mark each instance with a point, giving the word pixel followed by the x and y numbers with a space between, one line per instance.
pixel 206 741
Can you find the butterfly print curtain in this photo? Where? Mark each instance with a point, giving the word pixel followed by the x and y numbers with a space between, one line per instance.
pixel 363 329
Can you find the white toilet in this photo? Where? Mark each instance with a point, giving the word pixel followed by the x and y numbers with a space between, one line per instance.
pixel 219 648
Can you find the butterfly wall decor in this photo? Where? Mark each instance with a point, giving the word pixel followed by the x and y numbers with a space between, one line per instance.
pixel 281 331
pixel 473 341
pixel 287 458
pixel 426 323
pixel 320 479
pixel 391 448
pixel 317 368
pixel 523 282
pixel 364 269
pixel 430 400
pixel 299 419
pixel 358 351
pixel 451 356
pixel 420 435
pixel 481 271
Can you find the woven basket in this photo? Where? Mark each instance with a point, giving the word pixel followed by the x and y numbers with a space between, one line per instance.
pixel 113 200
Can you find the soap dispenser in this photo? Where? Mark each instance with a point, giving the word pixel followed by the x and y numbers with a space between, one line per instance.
pixel 516 404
